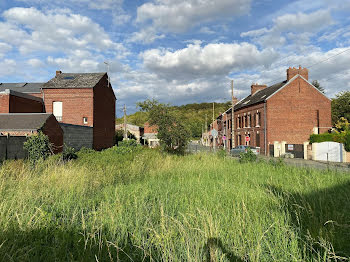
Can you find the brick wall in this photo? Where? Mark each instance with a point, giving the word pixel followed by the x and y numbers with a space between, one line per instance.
pixel 148 129
pixel 25 105
pixel 104 115
pixel 255 132
pixel 77 136
pixel 4 103
pixel 292 113
pixel 55 133
pixel 76 104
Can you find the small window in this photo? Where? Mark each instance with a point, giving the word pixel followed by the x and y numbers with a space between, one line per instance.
pixel 85 120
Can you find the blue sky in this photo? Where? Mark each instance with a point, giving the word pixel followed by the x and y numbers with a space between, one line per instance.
pixel 176 51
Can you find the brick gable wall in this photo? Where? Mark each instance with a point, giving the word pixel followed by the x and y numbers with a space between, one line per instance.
pixel 104 115
pixel 76 104
pixel 292 113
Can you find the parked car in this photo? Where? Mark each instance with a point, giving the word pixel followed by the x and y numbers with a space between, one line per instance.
pixel 243 149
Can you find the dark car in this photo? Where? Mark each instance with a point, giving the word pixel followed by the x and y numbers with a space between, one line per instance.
pixel 243 149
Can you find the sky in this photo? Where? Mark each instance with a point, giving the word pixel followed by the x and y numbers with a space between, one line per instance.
pixel 177 51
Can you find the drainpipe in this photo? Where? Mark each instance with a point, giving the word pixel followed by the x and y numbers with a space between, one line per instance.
pixel 42 91
pixel 265 126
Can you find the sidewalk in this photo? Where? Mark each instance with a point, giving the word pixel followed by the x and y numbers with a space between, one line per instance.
pixel 298 162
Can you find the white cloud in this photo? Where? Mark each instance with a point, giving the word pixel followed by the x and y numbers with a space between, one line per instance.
pixel 297 28
pixel 213 59
pixel 56 30
pixel 36 63
pixel 180 15
pixel 96 4
pixel 4 48
pixel 147 35
pixel 8 67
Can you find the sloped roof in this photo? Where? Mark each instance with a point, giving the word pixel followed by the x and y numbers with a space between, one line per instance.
pixel 259 96
pixel 25 121
pixel 74 80
pixel 22 87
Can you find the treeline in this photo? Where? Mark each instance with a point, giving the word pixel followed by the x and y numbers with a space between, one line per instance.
pixel 192 115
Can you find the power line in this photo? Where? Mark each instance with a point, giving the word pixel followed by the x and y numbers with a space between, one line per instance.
pixel 329 58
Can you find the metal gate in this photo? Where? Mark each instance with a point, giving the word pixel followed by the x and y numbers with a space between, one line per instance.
pixel 296 149
pixel 11 147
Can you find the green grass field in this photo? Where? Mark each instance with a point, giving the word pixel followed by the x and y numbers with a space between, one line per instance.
pixel 147 206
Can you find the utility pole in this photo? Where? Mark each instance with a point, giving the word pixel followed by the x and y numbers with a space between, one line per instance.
pixel 125 130
pixel 233 119
pixel 206 123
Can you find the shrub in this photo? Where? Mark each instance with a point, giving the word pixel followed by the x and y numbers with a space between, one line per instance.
pixel 347 142
pixel 249 156
pixel 127 143
pixel 68 153
pixel 38 147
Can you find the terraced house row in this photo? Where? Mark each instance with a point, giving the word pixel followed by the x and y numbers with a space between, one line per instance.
pixel 285 114
pixel 83 105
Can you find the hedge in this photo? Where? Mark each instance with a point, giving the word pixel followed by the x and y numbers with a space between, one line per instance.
pixel 343 138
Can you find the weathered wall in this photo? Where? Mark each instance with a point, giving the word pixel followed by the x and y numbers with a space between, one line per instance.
pixel 104 115
pixel 25 105
pixel 12 147
pixel 77 136
pixel 4 103
pixel 55 133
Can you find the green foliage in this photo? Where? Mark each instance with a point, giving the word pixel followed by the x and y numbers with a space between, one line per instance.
pixel 119 136
pixel 221 153
pixel 69 153
pixel 332 137
pixel 279 162
pixel 151 206
pixel 316 84
pixel 347 141
pixel 38 147
pixel 172 133
pixel 248 156
pixel 128 143
pixel 192 116
pixel 341 106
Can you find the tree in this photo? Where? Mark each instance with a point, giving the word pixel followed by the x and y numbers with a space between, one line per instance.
pixel 316 84
pixel 341 106
pixel 172 133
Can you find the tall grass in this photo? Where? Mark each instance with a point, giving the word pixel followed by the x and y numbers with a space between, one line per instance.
pixel 143 205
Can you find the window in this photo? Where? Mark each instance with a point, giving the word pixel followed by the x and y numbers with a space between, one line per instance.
pixel 258 119
pixel 257 142
pixel 249 119
pixel 57 110
pixel 85 120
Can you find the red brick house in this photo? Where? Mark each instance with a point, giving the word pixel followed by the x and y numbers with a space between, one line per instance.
pixel 150 135
pixel 286 112
pixel 16 127
pixel 17 102
pixel 81 99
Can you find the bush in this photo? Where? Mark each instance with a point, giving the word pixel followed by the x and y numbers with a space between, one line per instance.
pixel 68 153
pixel 38 147
pixel 127 143
pixel 347 142
pixel 249 156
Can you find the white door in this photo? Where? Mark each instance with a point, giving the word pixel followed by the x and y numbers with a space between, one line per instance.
pixel 57 110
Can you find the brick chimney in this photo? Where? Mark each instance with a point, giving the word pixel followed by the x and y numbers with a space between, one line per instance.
pixel 291 72
pixel 256 87
pixel 58 73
